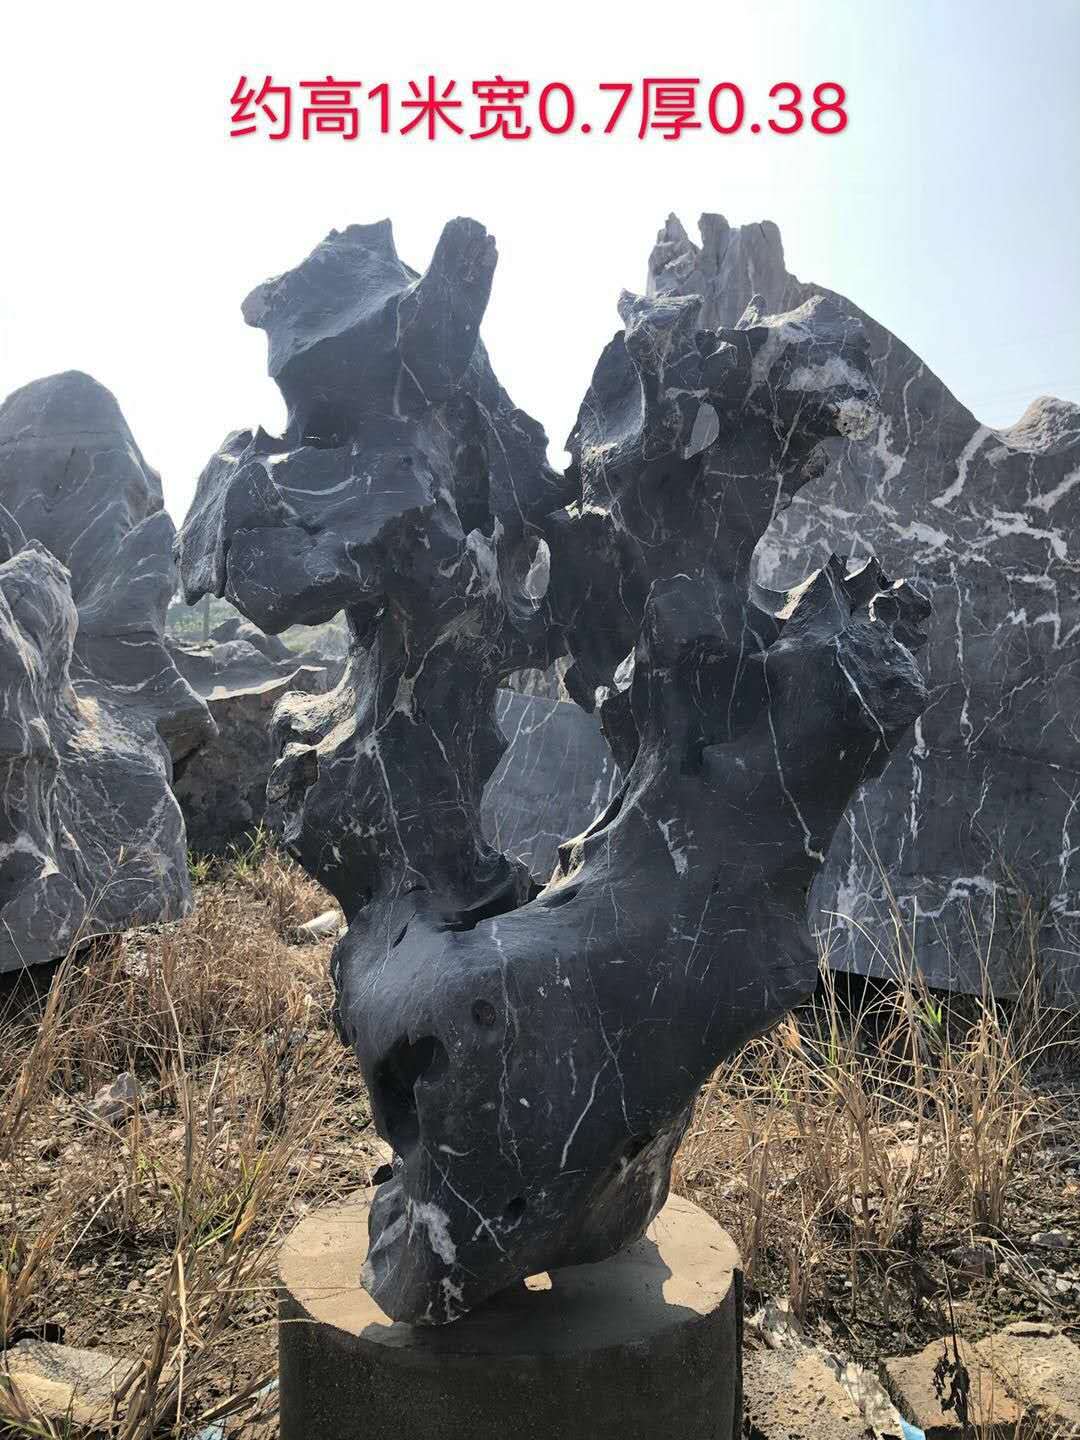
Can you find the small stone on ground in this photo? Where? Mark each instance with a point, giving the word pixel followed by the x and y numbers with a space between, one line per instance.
pixel 912 1381
pixel 326 926
pixel 1041 1368
pixel 113 1103
pixel 57 1381
pixel 795 1395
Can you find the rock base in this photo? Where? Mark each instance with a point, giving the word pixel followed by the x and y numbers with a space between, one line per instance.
pixel 646 1343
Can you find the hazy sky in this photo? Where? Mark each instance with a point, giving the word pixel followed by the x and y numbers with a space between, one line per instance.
pixel 133 226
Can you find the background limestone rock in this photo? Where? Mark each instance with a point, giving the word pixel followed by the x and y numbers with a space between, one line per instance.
pixel 241 659
pixel 93 710
pixel 976 825
pixel 222 788
pixel 73 477
pixel 241 675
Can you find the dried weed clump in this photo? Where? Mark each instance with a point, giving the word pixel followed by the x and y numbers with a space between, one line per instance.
pixel 151 1231
pixel 883 1156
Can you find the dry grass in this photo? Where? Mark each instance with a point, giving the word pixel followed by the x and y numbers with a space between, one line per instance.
pixel 155 1237
pixel 861 1154
pixel 883 1164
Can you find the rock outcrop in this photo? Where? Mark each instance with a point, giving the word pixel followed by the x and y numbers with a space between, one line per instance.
pixel 94 711
pixel 973 836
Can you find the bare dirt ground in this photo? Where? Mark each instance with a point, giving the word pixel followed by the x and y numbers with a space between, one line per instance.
pixel 894 1167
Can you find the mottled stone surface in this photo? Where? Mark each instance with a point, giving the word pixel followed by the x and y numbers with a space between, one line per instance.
pixel 923 1384
pixel 976 830
pixel 93 709
pixel 1040 1367
pixel 65 1385
pixel 533 1051
pixel 795 1395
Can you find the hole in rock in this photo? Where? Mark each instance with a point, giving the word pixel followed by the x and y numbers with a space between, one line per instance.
pixel 382 1174
pixel 483 1012
pixel 515 1209
pixel 500 904
pixel 400 936
pixel 561 895
pixel 783 558
pixel 635 1145
pixel 406 1065
pixel 539 573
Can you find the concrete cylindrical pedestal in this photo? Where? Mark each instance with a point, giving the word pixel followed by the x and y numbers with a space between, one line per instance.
pixel 642 1345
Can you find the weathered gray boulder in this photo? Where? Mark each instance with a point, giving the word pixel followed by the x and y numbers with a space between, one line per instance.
pixel 222 787
pixel 76 1389
pixel 237 663
pixel 241 673
pixel 974 830
pixel 92 708
pixel 73 477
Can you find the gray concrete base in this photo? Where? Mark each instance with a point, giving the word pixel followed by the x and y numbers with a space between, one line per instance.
pixel 645 1344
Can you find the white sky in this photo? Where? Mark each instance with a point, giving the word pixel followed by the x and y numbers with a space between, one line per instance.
pixel 133 226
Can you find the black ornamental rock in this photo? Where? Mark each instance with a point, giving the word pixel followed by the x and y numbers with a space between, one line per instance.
pixel 974 832
pixel 93 707
pixel 533 1050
